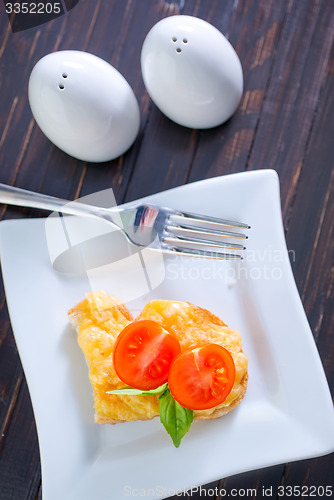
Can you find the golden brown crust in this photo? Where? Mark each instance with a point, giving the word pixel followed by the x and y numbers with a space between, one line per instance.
pixel 206 315
pixel 101 303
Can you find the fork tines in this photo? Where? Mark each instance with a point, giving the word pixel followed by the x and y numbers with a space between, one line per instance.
pixel 198 235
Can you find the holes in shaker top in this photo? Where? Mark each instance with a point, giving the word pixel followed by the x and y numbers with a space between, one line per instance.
pixel 61 85
pixel 184 41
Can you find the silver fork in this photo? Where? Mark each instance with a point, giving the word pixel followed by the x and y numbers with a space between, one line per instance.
pixel 145 225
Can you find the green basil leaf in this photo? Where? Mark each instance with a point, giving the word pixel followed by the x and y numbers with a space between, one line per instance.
pixel 129 391
pixel 175 418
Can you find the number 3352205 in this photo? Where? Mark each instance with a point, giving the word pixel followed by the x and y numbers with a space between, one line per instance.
pixel 33 8
pixel 305 491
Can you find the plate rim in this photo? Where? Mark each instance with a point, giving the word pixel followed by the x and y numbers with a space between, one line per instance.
pixel 270 174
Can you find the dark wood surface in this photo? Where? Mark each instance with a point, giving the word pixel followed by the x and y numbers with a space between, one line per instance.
pixel 285 121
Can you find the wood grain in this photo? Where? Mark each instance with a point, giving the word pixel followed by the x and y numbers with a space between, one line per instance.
pixel 284 121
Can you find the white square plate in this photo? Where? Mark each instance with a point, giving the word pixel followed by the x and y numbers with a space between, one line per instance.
pixel 275 422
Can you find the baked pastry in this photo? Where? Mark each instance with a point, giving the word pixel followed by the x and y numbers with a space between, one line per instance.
pixel 99 319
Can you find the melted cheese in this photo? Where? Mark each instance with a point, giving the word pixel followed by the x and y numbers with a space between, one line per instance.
pixel 100 318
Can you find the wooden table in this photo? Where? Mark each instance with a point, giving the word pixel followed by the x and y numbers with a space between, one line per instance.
pixel 285 122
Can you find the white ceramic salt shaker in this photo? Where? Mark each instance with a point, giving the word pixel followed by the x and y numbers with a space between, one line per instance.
pixel 191 72
pixel 83 105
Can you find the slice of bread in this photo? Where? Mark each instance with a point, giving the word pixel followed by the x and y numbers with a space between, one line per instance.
pixel 99 319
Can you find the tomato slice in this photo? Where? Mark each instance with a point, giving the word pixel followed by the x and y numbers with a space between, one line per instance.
pixel 143 354
pixel 202 378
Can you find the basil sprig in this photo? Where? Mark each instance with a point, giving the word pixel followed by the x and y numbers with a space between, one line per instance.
pixel 175 418
pixel 129 391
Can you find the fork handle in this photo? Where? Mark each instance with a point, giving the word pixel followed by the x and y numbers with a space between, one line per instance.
pixel 12 195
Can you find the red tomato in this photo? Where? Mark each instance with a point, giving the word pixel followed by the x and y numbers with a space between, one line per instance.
pixel 143 354
pixel 202 378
